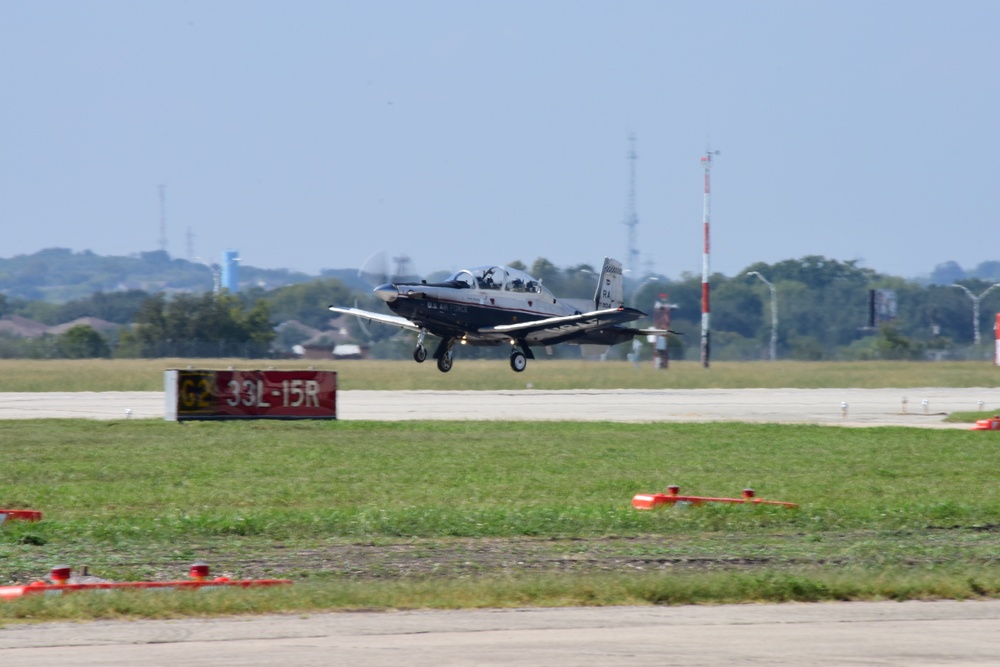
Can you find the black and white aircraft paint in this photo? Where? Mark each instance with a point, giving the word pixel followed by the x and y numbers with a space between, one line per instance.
pixel 497 305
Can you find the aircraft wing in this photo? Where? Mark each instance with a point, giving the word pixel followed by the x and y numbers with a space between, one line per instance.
pixel 369 316
pixel 564 327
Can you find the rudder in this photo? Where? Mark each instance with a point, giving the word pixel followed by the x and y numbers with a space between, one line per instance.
pixel 611 286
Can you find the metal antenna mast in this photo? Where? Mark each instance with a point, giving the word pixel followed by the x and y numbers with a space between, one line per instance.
pixel 163 218
pixel 706 162
pixel 631 217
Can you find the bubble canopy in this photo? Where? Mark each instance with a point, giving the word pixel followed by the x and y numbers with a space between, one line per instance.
pixel 502 278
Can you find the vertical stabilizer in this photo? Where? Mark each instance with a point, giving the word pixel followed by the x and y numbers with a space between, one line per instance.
pixel 611 287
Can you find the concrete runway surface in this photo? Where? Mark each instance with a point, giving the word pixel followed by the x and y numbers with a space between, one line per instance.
pixel 855 633
pixel 865 633
pixel 925 406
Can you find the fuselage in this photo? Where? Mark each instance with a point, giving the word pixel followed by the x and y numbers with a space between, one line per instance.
pixel 493 305
pixel 473 299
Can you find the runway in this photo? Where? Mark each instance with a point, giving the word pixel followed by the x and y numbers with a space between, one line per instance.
pixel 923 406
pixel 875 633
pixel 821 634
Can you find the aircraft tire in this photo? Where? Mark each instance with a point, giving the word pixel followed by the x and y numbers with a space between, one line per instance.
pixel 444 362
pixel 518 362
pixel 420 354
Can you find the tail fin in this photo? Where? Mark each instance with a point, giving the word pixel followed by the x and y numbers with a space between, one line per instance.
pixel 611 287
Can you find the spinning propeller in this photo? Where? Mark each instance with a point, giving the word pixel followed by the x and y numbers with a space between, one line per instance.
pixel 376 270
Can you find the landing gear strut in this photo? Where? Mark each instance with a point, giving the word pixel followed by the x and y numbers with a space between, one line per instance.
pixel 519 357
pixel 420 353
pixel 444 354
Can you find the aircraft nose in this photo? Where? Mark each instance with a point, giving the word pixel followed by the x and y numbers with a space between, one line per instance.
pixel 387 292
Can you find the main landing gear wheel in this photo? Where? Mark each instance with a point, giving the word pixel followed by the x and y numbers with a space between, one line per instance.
pixel 420 354
pixel 518 361
pixel 444 362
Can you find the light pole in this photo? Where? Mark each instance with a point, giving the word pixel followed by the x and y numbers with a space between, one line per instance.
pixel 975 308
pixel 774 314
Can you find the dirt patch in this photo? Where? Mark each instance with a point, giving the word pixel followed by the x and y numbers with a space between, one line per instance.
pixel 419 558
pixel 478 557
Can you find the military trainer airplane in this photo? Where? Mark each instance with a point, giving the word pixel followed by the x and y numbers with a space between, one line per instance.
pixel 496 305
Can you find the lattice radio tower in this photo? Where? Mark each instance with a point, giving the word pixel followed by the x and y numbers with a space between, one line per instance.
pixel 631 217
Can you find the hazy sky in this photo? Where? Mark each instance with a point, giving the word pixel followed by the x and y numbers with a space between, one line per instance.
pixel 308 135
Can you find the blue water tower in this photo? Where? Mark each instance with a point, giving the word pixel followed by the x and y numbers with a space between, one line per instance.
pixel 230 272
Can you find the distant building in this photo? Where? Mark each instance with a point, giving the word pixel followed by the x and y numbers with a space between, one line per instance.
pixel 95 323
pixel 16 325
pixel 350 351
pixel 230 271
pixel 22 326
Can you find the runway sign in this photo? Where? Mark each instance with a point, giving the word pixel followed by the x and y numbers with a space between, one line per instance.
pixel 231 394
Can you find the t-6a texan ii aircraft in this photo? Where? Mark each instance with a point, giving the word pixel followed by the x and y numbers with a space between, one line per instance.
pixel 496 305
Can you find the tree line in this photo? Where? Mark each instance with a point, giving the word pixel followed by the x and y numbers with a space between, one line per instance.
pixel 823 308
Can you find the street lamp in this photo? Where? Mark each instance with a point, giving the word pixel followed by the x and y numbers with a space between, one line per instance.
pixel 774 314
pixel 975 308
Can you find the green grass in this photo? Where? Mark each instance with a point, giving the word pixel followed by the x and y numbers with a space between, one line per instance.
pixel 971 417
pixel 472 479
pixel 444 512
pixel 538 591
pixel 147 374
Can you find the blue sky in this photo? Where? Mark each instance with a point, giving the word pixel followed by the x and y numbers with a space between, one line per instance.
pixel 308 135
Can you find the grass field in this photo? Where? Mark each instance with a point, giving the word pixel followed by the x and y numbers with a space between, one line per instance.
pixel 466 514
pixel 147 374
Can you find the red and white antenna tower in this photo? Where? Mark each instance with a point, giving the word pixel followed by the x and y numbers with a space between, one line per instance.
pixel 706 162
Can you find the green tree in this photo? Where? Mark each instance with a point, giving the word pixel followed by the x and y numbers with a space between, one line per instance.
pixel 118 307
pixel 821 300
pixel 308 302
pixel 82 342
pixel 740 309
pixel 548 273
pixel 199 325
pixel 579 282
pixel 891 344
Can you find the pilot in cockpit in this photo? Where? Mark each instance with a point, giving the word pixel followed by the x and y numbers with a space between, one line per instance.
pixel 491 280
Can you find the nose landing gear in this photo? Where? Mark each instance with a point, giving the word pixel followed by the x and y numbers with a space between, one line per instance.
pixel 420 353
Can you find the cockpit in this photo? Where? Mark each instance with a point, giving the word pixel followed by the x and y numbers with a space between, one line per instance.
pixel 500 278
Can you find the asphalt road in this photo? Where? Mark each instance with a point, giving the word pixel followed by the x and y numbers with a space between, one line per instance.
pixel 880 633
